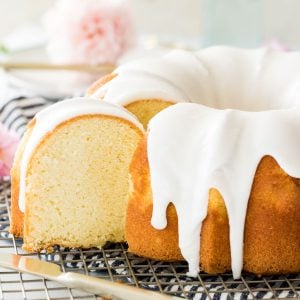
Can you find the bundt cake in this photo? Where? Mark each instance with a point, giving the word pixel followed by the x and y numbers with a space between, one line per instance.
pixel 217 177
pixel 207 159
pixel 70 175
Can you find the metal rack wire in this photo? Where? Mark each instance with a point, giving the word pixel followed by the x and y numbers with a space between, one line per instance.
pixel 113 262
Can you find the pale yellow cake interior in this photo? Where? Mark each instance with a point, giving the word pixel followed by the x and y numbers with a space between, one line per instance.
pixel 77 184
pixel 145 110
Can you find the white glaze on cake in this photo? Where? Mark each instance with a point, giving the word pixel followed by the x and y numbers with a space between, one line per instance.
pixel 202 148
pixel 50 117
pixel 175 77
pixel 194 148
pixel 216 77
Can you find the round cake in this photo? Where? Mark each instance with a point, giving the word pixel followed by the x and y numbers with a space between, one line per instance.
pixel 214 182
pixel 225 167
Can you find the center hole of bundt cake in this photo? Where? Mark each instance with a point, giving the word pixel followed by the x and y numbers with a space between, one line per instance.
pixel 238 96
pixel 251 104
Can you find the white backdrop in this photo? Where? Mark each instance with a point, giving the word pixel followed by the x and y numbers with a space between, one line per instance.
pixel 182 16
pixel 169 18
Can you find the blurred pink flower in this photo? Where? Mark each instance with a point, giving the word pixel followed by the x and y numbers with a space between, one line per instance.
pixel 8 145
pixel 89 31
pixel 276 44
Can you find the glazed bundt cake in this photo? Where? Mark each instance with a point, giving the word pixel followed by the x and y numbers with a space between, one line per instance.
pixel 70 175
pixel 243 148
pixel 213 182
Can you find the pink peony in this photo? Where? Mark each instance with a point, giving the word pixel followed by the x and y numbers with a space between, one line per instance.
pixel 89 31
pixel 8 145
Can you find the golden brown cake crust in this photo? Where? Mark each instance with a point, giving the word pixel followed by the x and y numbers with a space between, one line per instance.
pixel 272 235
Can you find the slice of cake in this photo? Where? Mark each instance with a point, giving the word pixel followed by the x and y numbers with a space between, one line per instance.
pixel 70 176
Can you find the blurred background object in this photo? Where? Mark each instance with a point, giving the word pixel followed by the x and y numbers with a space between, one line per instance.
pixel 210 21
pixel 251 23
pixel 152 26
pixel 234 22
pixel 93 32
pixel 8 145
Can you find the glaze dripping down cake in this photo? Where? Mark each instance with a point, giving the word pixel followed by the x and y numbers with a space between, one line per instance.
pixel 191 195
pixel 214 181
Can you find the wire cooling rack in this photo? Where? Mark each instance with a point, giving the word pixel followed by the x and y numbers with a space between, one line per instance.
pixel 113 262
